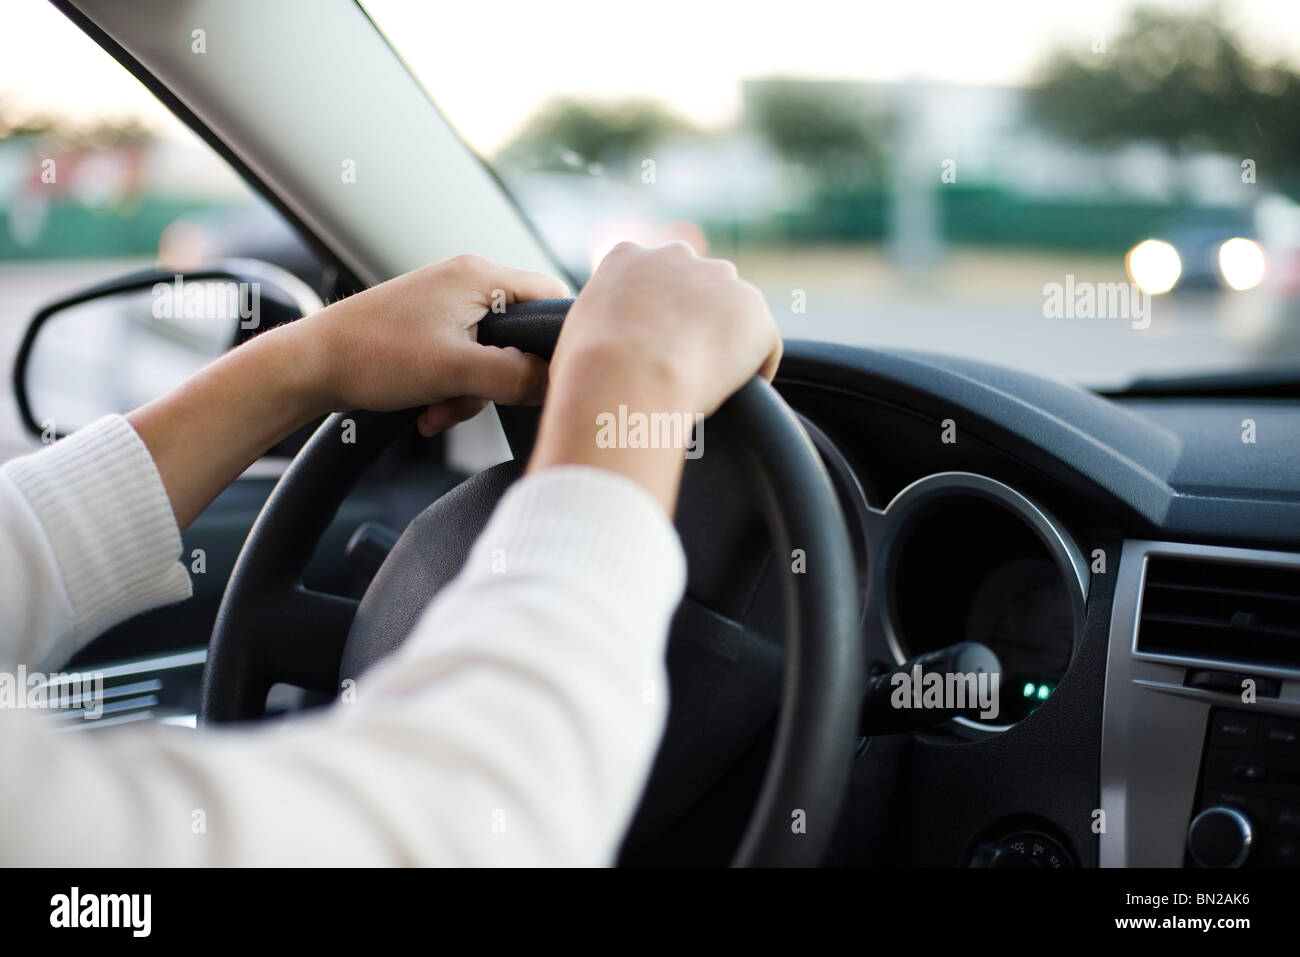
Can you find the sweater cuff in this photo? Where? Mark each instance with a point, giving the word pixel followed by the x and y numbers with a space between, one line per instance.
pixel 101 502
pixel 600 527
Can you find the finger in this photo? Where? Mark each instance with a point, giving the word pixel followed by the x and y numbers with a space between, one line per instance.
pixel 443 415
pixel 489 278
pixel 503 375
pixel 776 349
pixel 773 361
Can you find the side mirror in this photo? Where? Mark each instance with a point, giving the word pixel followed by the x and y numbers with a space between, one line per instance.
pixel 118 345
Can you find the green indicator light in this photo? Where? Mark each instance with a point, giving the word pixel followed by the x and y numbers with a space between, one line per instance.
pixel 1043 691
pixel 1029 689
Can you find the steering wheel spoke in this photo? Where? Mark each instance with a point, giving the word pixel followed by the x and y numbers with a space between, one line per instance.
pixel 306 653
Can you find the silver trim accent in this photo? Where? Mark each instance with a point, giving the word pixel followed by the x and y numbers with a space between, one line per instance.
pixel 1243 822
pixel 130 692
pixel 940 485
pixel 1153 728
pixel 181 659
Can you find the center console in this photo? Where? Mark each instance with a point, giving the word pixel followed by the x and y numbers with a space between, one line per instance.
pixel 1200 759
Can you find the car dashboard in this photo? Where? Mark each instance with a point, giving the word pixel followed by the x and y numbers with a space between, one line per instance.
pixel 1133 564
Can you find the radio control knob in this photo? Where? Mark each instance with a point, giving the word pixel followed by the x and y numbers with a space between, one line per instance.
pixel 1220 837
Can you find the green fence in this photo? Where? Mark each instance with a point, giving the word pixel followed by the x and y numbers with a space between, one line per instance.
pixel 980 216
pixel 69 230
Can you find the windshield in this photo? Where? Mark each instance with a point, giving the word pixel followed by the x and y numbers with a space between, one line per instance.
pixel 1096 192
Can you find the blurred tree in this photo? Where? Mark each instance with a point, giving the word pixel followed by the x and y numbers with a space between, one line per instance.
pixel 572 134
pixel 101 133
pixel 14 122
pixel 822 126
pixel 1183 80
pixel 107 133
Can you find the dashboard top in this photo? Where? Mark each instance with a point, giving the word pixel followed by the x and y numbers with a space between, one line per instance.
pixel 1224 470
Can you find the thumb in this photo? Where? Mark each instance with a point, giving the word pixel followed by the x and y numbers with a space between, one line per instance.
pixel 443 415
pixel 501 375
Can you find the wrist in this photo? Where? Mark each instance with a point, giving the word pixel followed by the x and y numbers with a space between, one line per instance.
pixel 302 356
pixel 594 409
pixel 612 374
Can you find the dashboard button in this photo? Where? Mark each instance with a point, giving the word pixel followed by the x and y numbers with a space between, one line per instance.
pixel 1253 806
pixel 1286 853
pixel 1285 818
pixel 1280 736
pixel 1233 730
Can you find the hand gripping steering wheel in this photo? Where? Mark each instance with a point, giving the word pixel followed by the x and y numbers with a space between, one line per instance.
pixel 271 629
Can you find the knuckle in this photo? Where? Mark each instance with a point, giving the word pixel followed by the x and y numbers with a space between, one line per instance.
pixel 467 264
pixel 755 295
pixel 521 384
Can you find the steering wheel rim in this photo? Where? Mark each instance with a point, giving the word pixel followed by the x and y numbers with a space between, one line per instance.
pixel 270 629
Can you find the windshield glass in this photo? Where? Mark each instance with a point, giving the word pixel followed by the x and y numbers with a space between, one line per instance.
pixel 1096 192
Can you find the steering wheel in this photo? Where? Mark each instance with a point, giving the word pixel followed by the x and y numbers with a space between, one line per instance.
pixel 271 629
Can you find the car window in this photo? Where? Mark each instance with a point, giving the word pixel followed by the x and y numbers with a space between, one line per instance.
pixel 98 179
pixel 1096 192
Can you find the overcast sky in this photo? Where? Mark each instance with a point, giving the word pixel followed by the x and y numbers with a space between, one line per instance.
pixel 490 64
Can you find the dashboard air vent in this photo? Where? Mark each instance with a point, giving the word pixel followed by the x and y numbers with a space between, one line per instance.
pixel 1239 612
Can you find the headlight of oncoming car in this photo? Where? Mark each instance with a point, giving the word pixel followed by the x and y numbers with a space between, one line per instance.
pixel 1241 263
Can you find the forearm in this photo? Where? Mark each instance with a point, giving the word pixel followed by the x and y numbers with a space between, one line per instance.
pixel 516 725
pixel 206 432
pixel 88 540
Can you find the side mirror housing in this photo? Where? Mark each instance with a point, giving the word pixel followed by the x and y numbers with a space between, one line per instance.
pixel 118 345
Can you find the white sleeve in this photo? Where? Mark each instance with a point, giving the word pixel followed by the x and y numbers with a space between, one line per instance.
pixel 517 725
pixel 87 539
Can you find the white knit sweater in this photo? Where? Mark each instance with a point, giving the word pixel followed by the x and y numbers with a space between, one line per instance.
pixel 516 725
